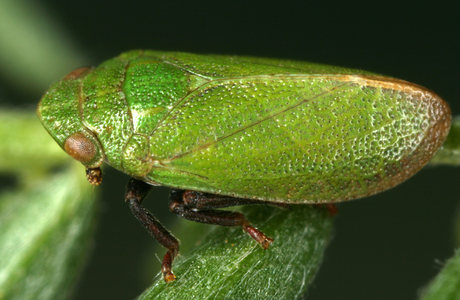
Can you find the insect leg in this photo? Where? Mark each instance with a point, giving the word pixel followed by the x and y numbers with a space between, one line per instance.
pixel 205 201
pixel 332 208
pixel 198 207
pixel 135 193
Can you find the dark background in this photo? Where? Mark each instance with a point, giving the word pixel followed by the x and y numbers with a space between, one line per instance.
pixel 385 247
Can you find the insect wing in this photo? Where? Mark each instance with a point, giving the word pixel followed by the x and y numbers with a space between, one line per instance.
pixel 298 138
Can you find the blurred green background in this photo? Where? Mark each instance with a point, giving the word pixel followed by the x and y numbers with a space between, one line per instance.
pixel 385 247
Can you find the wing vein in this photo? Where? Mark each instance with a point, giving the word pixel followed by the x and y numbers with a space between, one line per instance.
pixel 256 123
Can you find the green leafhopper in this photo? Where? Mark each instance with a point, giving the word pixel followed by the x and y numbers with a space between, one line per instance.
pixel 227 130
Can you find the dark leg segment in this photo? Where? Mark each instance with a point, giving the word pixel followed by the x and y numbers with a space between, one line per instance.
pixel 207 201
pixel 331 207
pixel 135 193
pixel 94 176
pixel 198 207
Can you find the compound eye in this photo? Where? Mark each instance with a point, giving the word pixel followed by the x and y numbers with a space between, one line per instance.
pixel 80 147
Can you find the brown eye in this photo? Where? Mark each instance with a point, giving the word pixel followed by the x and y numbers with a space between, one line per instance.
pixel 80 147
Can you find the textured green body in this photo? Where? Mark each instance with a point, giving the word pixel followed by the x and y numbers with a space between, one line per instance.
pixel 256 128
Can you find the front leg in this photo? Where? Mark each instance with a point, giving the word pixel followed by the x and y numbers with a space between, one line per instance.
pixel 198 207
pixel 135 194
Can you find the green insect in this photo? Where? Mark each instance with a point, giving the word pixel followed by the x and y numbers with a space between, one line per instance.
pixel 228 130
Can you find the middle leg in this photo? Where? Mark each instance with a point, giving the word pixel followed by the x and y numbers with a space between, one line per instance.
pixel 200 207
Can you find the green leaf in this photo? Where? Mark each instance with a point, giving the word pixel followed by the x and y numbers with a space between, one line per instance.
pixel 26 150
pixel 446 286
pixel 45 221
pixel 449 154
pixel 33 56
pixel 228 264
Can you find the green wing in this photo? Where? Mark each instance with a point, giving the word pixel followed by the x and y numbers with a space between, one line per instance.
pixel 295 132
